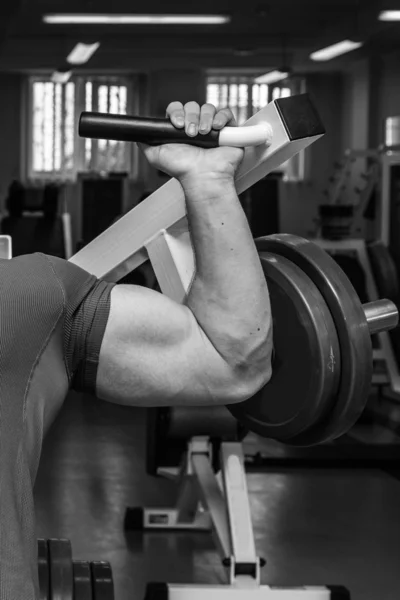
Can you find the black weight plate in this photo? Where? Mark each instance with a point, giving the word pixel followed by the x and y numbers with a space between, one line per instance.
pixel 43 570
pixel 61 575
pixel 102 581
pixel 305 366
pixel 384 271
pixel 352 329
pixel 82 580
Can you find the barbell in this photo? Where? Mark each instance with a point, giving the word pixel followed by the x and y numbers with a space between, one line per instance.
pixel 322 361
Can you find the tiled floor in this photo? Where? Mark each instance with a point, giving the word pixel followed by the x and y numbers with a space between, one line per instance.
pixel 313 527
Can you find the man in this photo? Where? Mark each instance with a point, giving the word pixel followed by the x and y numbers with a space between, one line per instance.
pixel 61 328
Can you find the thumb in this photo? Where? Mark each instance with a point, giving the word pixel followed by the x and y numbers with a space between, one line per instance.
pixel 151 153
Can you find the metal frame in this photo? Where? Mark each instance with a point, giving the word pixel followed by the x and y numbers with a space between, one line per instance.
pixel 387 160
pixel 5 247
pixel 221 505
pixel 193 592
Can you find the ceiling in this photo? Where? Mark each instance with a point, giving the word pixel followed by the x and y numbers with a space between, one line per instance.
pixel 261 35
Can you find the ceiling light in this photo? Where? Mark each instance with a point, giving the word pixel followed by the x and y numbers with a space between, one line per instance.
pixel 113 19
pixel 389 15
pixel 272 77
pixel 335 50
pixel 81 53
pixel 61 76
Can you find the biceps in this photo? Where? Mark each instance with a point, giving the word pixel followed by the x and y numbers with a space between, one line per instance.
pixel 155 353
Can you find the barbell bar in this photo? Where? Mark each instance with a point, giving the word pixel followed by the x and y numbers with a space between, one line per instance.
pixel 381 315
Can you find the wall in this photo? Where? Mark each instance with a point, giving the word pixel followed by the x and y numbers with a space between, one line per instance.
pixel 10 128
pixel 299 201
pixel 355 106
pixel 389 91
pixel 371 94
pixel 164 87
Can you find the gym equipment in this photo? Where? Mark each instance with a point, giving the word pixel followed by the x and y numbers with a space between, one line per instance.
pixel 384 270
pixel 5 246
pixel 351 322
pixel 60 578
pixel 213 498
pixel 386 374
pixel 335 220
pixel 43 568
pixel 166 429
pixel 102 581
pixel 60 570
pixel 82 580
pixel 321 375
pixel 350 212
pixel 141 235
pixel 39 221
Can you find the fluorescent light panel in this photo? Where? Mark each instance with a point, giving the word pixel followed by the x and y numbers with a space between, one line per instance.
pixel 335 50
pixel 272 77
pixel 389 15
pixel 110 19
pixel 82 53
pixel 61 76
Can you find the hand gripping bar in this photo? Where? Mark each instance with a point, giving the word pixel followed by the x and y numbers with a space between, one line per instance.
pixel 155 132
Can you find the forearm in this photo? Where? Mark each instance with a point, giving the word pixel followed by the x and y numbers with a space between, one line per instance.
pixel 229 295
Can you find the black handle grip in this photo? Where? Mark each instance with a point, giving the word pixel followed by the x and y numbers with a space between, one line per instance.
pixel 103 126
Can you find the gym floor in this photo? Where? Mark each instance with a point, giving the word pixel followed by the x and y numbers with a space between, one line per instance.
pixel 313 526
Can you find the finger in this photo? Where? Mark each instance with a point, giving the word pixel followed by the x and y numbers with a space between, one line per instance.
pixel 176 114
pixel 145 150
pixel 192 118
pixel 207 113
pixel 224 117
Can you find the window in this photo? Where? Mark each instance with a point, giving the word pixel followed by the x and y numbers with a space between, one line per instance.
pixel 245 98
pixel 56 150
pixel 53 123
pixel 105 155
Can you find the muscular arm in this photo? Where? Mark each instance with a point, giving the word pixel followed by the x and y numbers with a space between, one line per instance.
pixel 229 295
pixel 217 348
